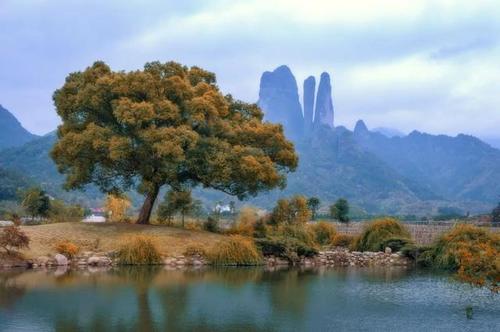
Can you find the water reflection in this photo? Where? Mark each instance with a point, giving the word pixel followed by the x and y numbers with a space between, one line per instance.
pixel 229 299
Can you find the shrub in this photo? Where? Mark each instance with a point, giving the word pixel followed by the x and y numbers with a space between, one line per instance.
pixel 139 250
pixel 343 240
pixel 472 252
pixel 260 229
pixel 193 226
pixel 195 250
pixel 415 252
pixel 323 232
pixel 67 248
pixel 237 250
pixel 13 238
pixel 211 225
pixel 377 232
pixel 396 243
pixel 245 224
pixel 286 247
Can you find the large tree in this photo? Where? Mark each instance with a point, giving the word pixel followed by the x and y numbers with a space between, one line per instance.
pixel 165 125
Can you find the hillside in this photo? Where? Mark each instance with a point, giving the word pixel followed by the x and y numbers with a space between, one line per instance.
pixel 12 132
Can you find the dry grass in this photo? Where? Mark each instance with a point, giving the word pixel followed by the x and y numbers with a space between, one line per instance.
pixel 139 250
pixel 237 250
pixel 108 236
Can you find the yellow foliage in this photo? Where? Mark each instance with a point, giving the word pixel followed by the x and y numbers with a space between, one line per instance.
pixel 195 250
pixel 245 224
pixel 237 250
pixel 139 250
pixel 324 232
pixel 67 248
pixel 343 240
pixel 117 207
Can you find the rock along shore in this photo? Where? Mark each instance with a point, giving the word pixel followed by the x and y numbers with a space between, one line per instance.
pixel 335 257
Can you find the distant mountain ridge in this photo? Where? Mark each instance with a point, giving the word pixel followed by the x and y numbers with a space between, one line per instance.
pixel 12 133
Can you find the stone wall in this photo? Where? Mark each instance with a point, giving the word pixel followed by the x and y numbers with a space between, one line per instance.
pixel 422 233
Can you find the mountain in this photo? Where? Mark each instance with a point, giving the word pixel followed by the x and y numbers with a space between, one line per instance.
pixel 12 132
pixel 10 183
pixel 458 168
pixel 389 132
pixel 33 161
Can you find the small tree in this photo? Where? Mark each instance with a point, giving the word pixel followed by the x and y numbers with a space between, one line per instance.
pixel 177 201
pixel 13 238
pixel 36 202
pixel 340 210
pixel 292 211
pixel 495 214
pixel 117 207
pixel 313 205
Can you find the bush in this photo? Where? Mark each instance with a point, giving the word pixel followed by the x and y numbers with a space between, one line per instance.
pixel 13 238
pixel 260 229
pixel 245 224
pixel 414 252
pixel 288 248
pixel 139 250
pixel 195 250
pixel 343 240
pixel 193 226
pixel 323 232
pixel 473 253
pixel 67 248
pixel 237 250
pixel 211 225
pixel 396 243
pixel 375 234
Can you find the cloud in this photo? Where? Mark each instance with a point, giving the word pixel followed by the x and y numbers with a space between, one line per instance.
pixel 429 65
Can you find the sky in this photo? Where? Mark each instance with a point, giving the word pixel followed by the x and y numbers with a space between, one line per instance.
pixel 432 66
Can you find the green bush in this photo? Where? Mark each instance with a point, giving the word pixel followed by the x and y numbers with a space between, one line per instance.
pixel 139 250
pixel 238 250
pixel 211 225
pixel 285 247
pixel 413 251
pixel 376 233
pixel 396 243
pixel 323 232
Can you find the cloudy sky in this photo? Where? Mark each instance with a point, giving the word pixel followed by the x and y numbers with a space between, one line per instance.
pixel 433 66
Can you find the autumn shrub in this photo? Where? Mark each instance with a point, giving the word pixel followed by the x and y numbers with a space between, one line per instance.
pixel 67 248
pixel 324 232
pixel 12 238
pixel 245 223
pixel 237 250
pixel 193 226
pixel 376 233
pixel 342 240
pixel 396 243
pixel 139 250
pixel 473 253
pixel 195 250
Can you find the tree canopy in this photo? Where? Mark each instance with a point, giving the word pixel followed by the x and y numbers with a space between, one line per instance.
pixel 167 124
pixel 340 210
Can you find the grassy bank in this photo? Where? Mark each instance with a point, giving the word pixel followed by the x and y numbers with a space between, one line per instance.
pixel 108 236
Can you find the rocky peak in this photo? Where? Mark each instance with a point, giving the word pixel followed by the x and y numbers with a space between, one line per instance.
pixel 324 103
pixel 279 99
pixel 309 91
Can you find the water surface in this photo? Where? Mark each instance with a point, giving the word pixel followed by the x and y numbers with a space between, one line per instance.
pixel 241 299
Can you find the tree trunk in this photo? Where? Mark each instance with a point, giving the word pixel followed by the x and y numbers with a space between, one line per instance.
pixel 147 207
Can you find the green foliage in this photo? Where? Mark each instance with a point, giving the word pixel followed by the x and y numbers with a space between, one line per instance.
pixel 396 243
pixel 340 210
pixel 139 250
pixel 324 232
pixel 165 125
pixel 212 224
pixel 285 247
pixel 62 212
pixel 36 202
pixel 313 204
pixel 415 252
pixel 11 183
pixel 376 233
pixel 292 211
pixel 237 250
pixel 13 238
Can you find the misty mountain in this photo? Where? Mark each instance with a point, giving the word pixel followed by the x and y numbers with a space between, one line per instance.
pixel 12 133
